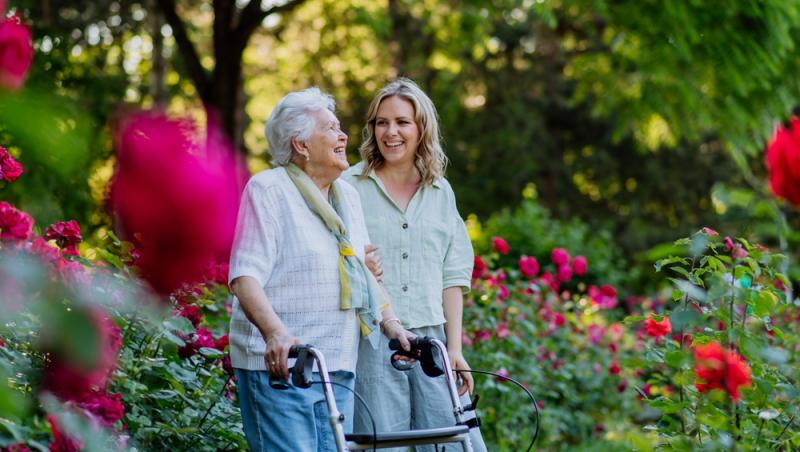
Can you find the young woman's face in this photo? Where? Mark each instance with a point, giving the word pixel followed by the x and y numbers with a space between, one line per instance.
pixel 396 131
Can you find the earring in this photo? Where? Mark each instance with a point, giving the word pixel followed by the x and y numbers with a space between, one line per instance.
pixel 307 157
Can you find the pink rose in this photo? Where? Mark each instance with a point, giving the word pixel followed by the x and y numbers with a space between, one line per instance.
pixel 191 313
pixel 503 293
pixel 502 330
pixel 709 232
pixel 559 256
pixel 604 296
pixel 10 169
pixel 783 162
pixel 14 224
pixel 67 235
pixel 559 320
pixel 201 338
pixel 106 408
pixel 528 266
pixel 500 245
pixel 564 273
pixel 176 195
pixel 502 375
pixel 16 53
pixel 580 266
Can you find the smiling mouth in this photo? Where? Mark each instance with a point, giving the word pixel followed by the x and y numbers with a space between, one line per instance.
pixel 394 145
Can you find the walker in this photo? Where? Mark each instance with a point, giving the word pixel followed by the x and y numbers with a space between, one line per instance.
pixel 432 355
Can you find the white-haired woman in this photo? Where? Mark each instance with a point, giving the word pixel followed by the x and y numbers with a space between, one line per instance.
pixel 426 255
pixel 298 227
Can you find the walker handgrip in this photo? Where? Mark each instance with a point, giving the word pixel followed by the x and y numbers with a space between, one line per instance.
pixel 394 344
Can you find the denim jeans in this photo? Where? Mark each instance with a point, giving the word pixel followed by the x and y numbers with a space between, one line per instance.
pixel 406 400
pixel 293 419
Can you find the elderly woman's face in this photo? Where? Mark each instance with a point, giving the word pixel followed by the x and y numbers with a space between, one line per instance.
pixel 327 144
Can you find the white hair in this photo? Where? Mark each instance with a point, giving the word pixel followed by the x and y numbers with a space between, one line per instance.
pixel 293 118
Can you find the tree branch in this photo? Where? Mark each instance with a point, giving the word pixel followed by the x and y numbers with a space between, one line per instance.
pixel 189 54
pixel 252 15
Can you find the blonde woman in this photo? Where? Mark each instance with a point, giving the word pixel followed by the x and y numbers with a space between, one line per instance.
pixel 426 257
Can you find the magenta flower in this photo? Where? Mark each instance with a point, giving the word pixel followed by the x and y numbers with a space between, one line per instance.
pixel 14 224
pixel 580 266
pixel 106 408
pixel 564 273
pixel 176 196
pixel 604 296
pixel 560 257
pixel 500 245
pixel 16 53
pixel 10 169
pixel 67 235
pixel 502 375
pixel 709 232
pixel 528 266
pixel 478 268
pixel 783 162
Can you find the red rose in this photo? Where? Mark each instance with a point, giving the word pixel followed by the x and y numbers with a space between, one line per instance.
pixel 67 235
pixel 783 162
pixel 560 257
pixel 559 320
pixel 175 195
pixel 614 368
pixel 16 52
pixel 10 169
pixel 478 268
pixel 720 369
pixel 221 343
pixel 580 266
pixel 107 408
pixel 528 266
pixel 658 329
pixel 19 447
pixel 500 245
pixel 14 224
pixel 62 442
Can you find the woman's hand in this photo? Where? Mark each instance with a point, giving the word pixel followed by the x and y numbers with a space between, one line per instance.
pixel 392 329
pixel 277 355
pixel 457 362
pixel 373 261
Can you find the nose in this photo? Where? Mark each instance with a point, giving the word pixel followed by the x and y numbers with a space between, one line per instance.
pixel 342 136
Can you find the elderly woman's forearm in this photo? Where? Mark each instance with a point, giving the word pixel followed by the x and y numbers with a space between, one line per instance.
pixel 256 306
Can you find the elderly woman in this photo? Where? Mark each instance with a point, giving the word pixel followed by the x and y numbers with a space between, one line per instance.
pixel 298 276
pixel 427 256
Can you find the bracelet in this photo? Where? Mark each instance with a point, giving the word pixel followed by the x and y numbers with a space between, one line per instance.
pixel 393 319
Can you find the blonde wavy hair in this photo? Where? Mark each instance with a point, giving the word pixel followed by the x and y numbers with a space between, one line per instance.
pixel 431 160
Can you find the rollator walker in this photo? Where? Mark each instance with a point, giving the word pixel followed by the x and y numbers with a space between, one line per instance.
pixel 431 354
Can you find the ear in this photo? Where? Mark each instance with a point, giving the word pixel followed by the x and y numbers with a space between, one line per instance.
pixel 299 147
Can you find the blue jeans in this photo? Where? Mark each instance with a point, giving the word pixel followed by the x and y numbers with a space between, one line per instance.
pixel 294 419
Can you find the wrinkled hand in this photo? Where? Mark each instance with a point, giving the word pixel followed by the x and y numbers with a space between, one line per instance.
pixel 458 362
pixel 277 355
pixel 394 330
pixel 373 261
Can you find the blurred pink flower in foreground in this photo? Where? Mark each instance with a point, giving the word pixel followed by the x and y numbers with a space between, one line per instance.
pixel 604 296
pixel 580 266
pixel 528 266
pixel 783 162
pixel 16 52
pixel 175 196
pixel 500 245
pixel 14 224
pixel 10 169
pixel 560 257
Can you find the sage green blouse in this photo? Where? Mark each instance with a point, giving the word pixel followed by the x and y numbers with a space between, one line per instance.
pixel 424 250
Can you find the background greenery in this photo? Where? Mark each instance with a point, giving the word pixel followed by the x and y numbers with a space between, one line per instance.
pixel 606 127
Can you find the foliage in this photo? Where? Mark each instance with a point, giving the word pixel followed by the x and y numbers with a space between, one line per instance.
pixel 728 292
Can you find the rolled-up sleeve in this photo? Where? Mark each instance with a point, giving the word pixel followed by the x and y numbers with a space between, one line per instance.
pixel 255 244
pixel 458 259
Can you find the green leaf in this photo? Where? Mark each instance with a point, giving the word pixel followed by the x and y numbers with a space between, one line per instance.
pixel 168 335
pixel 676 358
pixel 764 302
pixel 211 353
